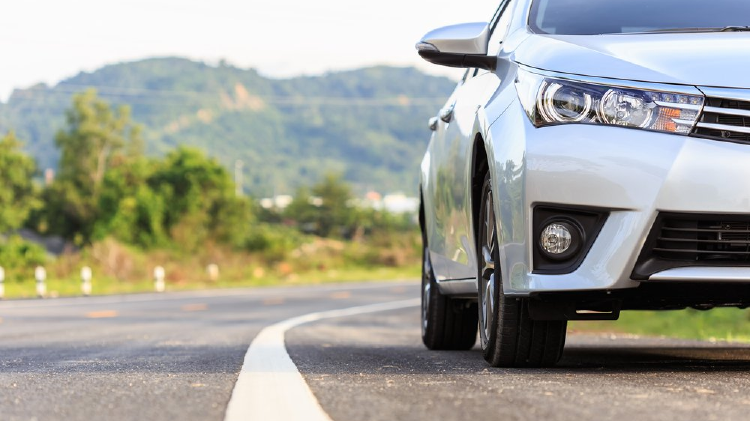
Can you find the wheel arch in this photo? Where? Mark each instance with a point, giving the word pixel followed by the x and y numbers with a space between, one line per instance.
pixel 480 166
pixel 422 216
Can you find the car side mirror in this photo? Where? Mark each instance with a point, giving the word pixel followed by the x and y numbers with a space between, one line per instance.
pixel 463 45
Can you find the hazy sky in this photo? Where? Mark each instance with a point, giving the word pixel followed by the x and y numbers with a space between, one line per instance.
pixel 49 40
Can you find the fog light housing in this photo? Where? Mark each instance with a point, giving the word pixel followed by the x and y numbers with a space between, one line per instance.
pixel 563 236
pixel 560 240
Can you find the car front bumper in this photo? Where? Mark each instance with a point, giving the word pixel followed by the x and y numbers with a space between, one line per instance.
pixel 632 174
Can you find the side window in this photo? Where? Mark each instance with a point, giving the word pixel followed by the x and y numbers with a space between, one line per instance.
pixel 501 22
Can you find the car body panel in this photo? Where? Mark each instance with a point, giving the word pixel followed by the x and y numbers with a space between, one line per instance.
pixel 450 232
pixel 633 173
pixel 700 274
pixel 435 216
pixel 460 136
pixel 687 59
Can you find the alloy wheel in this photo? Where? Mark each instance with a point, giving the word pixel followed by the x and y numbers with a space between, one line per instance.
pixel 488 253
pixel 426 285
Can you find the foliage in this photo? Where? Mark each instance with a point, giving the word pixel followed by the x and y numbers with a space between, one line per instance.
pixel 326 210
pixel 129 209
pixel 367 124
pixel 119 268
pixel 728 324
pixel 374 222
pixel 18 195
pixel 183 200
pixel 16 254
pixel 200 198
pixel 129 212
pixel 94 139
pixel 106 188
pixel 274 242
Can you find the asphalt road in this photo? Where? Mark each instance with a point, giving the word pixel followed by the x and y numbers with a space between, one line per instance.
pixel 176 356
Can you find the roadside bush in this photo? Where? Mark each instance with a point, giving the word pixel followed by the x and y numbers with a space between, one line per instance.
pixel 18 256
pixel 273 242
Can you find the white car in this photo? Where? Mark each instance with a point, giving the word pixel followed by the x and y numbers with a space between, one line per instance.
pixel 594 158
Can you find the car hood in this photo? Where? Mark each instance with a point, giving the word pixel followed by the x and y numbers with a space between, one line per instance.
pixel 704 59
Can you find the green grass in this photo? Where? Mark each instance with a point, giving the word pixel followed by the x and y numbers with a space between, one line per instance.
pixel 72 287
pixel 724 324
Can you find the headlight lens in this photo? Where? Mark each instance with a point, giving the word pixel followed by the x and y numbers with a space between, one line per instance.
pixel 550 100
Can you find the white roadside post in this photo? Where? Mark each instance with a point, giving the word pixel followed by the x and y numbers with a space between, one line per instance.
pixel 41 277
pixel 213 272
pixel 159 279
pixel 2 283
pixel 86 276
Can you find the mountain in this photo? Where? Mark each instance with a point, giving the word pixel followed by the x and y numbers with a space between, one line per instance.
pixel 369 124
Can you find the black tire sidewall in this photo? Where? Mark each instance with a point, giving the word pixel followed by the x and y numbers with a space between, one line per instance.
pixel 486 343
pixel 426 277
pixel 430 334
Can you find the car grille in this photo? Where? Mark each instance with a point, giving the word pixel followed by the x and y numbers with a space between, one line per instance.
pixel 703 240
pixel 726 115
pixel 680 240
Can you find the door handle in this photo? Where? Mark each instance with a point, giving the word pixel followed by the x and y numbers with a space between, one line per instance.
pixel 446 114
pixel 433 123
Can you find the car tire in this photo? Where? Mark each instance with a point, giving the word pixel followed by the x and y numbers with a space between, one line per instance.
pixel 447 323
pixel 508 335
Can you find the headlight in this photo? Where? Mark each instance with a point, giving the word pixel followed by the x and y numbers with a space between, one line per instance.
pixel 552 100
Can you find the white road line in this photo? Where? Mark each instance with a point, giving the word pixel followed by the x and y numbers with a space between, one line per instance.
pixel 270 387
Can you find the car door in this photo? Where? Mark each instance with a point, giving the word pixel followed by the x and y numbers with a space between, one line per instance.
pixel 434 187
pixel 454 173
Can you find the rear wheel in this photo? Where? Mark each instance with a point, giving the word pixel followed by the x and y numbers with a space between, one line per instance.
pixel 447 324
pixel 508 336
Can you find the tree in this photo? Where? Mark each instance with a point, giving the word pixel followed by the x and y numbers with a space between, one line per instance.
pixel 106 187
pixel 325 208
pixel 18 196
pixel 200 201
pixel 129 209
pixel 336 211
pixel 95 138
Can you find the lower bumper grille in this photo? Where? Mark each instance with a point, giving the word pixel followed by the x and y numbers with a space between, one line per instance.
pixel 683 240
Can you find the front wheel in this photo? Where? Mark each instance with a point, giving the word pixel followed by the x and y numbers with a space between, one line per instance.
pixel 447 324
pixel 509 337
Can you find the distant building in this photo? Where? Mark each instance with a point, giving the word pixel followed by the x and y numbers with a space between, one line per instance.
pixel 49 176
pixel 400 203
pixel 280 202
pixel 373 196
pixel 394 203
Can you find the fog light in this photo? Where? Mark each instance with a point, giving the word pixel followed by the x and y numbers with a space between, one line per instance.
pixel 556 238
pixel 563 236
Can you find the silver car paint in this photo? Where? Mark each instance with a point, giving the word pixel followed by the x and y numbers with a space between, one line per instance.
pixel 703 59
pixel 633 172
pixel 700 274
pixel 450 230
pixel 466 38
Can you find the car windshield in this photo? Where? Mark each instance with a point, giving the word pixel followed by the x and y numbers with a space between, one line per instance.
pixel 587 17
